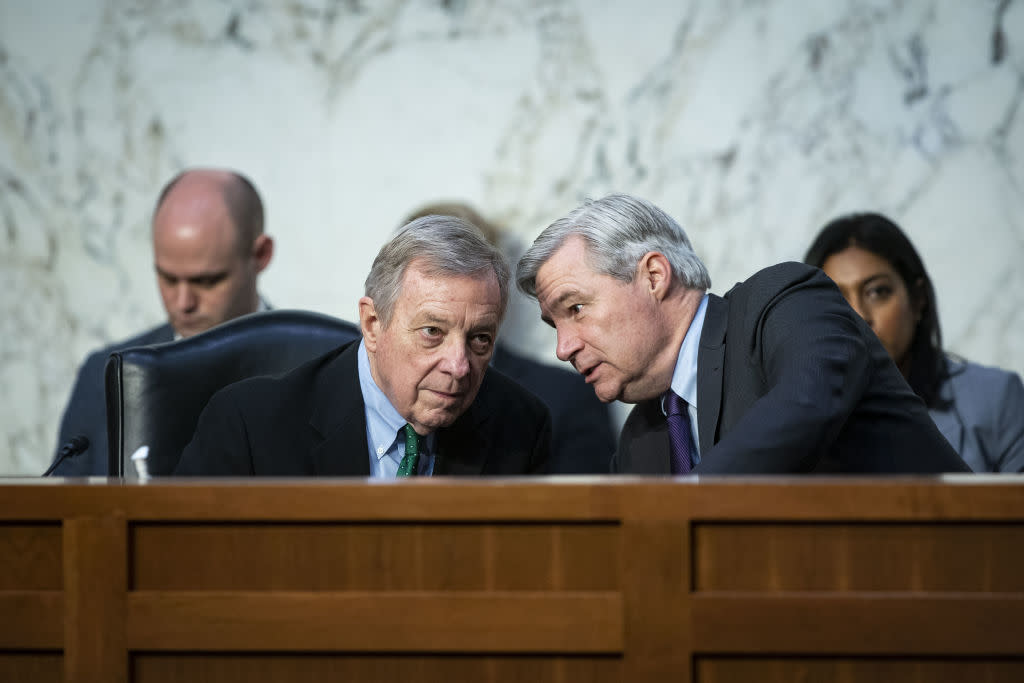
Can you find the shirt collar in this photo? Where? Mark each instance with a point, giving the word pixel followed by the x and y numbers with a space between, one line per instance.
pixel 684 378
pixel 382 420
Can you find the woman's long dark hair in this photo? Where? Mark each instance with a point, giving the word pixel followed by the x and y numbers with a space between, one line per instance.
pixel 879 235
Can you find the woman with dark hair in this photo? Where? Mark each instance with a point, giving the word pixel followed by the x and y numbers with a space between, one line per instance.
pixel 980 410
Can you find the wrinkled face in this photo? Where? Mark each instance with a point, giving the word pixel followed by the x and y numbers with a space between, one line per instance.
pixel 430 359
pixel 879 295
pixel 204 275
pixel 608 330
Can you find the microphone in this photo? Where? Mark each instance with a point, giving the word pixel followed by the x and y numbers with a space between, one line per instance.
pixel 74 447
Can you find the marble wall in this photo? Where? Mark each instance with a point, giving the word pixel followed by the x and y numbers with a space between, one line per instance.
pixel 751 121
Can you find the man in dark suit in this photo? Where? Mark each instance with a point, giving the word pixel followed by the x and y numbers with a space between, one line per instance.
pixel 415 396
pixel 778 376
pixel 581 426
pixel 208 249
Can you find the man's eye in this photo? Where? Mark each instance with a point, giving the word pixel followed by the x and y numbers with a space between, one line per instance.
pixel 576 309
pixel 481 343
pixel 431 331
pixel 209 281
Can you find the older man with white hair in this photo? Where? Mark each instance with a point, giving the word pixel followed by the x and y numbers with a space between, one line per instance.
pixel 414 397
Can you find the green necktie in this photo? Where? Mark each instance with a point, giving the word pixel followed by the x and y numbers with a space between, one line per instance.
pixel 407 468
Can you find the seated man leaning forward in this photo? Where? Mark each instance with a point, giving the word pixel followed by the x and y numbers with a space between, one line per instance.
pixel 413 397
pixel 778 376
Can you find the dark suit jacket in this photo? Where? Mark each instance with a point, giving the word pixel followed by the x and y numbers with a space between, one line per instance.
pixel 581 440
pixel 790 379
pixel 312 421
pixel 86 412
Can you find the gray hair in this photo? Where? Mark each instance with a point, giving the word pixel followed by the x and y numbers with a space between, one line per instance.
pixel 617 230
pixel 444 246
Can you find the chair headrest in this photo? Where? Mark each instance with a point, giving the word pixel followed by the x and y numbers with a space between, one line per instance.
pixel 156 393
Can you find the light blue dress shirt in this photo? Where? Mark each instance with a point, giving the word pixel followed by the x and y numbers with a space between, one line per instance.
pixel 386 449
pixel 684 377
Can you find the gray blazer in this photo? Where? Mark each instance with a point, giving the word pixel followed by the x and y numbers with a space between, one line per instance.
pixel 984 420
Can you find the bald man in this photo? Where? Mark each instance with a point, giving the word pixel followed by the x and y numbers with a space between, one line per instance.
pixel 208 249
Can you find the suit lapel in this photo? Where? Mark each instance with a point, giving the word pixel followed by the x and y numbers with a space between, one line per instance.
pixel 949 425
pixel 339 419
pixel 462 449
pixel 710 361
pixel 650 451
pixel 948 420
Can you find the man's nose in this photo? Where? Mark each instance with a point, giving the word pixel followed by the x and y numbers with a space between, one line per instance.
pixel 568 344
pixel 456 359
pixel 185 299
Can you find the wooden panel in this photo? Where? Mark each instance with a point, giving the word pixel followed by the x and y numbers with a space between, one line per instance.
pixel 859 557
pixel 95 574
pixel 31 620
pixel 31 667
pixel 655 582
pixel 413 557
pixel 859 623
pixel 810 670
pixel 598 498
pixel 325 499
pixel 309 668
pixel 399 622
pixel 636 579
pixel 952 498
pixel 31 557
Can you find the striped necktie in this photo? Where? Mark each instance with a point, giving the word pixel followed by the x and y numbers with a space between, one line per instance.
pixel 679 435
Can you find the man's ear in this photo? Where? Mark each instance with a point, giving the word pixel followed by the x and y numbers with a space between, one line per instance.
pixel 655 274
pixel 262 251
pixel 369 323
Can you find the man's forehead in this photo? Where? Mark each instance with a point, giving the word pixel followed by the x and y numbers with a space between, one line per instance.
pixel 420 287
pixel 185 259
pixel 567 267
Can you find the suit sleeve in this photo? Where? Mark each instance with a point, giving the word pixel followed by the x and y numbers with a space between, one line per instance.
pixel 220 445
pixel 816 367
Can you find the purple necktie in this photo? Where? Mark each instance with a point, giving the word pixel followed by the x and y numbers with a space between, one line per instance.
pixel 679 436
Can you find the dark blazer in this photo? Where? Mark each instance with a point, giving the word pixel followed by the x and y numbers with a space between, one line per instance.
pixel 312 421
pixel 581 440
pixel 86 412
pixel 790 379
pixel 983 416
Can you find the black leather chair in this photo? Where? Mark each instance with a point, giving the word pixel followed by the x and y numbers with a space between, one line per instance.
pixel 155 394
